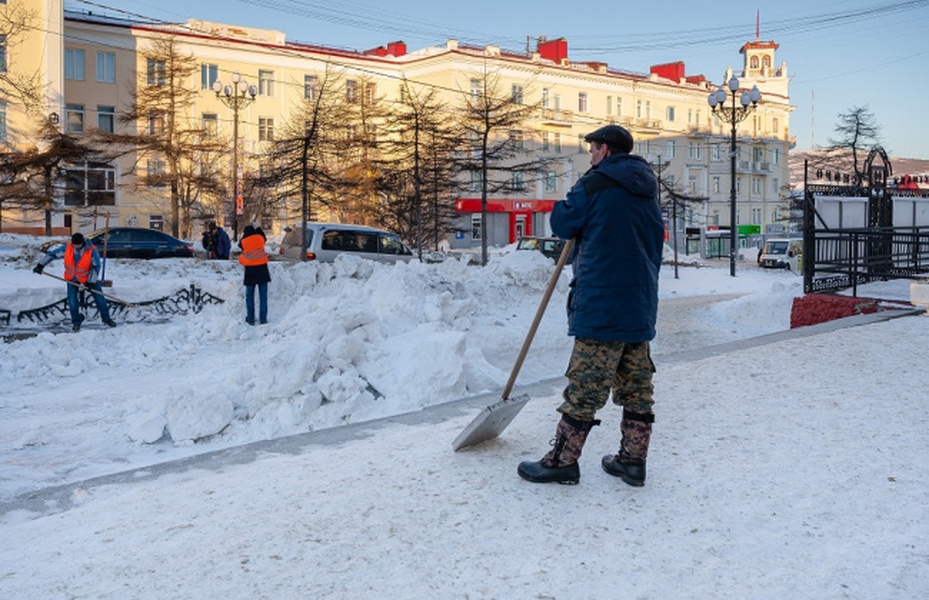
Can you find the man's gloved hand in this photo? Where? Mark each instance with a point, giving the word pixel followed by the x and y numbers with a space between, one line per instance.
pixel 38 269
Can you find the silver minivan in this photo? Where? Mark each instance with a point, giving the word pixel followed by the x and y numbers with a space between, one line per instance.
pixel 325 241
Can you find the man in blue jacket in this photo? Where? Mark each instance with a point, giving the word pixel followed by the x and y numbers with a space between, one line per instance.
pixel 613 215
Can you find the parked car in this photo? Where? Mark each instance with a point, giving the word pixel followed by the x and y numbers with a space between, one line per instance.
pixel 325 241
pixel 549 246
pixel 134 242
pixel 781 253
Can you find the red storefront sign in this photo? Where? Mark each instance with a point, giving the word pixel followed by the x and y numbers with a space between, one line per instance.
pixel 473 205
pixel 519 211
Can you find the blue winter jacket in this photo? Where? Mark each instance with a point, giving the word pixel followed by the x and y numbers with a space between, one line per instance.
pixel 612 213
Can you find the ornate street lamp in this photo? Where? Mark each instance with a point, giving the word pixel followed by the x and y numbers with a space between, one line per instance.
pixel 236 96
pixel 733 114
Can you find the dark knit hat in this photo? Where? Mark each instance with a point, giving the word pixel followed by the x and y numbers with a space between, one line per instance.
pixel 249 230
pixel 614 136
pixel 77 239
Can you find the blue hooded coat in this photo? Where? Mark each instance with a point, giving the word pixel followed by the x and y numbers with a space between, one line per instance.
pixel 612 213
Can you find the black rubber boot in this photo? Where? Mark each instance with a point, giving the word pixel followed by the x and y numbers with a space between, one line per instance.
pixel 559 465
pixel 629 463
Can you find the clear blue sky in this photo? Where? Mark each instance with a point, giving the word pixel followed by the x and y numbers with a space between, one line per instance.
pixel 839 53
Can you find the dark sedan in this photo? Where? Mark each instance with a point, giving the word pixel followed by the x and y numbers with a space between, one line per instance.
pixel 136 242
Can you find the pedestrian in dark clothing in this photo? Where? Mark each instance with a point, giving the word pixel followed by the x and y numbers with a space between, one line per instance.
pixel 255 259
pixel 613 215
pixel 207 242
pixel 221 243
pixel 82 272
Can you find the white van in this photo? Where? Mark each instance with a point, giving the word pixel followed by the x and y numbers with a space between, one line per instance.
pixel 781 253
pixel 325 241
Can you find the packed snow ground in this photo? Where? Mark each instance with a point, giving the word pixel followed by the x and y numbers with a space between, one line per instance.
pixel 792 469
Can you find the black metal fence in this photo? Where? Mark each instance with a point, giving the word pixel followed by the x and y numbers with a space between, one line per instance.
pixel 847 258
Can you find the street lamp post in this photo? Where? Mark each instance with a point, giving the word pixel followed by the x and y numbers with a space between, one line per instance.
pixel 236 96
pixel 734 115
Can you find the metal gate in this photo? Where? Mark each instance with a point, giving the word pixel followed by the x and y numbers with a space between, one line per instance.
pixel 867 231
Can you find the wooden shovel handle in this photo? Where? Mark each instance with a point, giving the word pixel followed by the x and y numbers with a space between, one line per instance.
pixel 565 253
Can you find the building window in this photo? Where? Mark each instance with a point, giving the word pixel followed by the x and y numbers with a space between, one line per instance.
pixel 155 72
pixel 694 150
pixel 74 118
pixel 670 113
pixel 475 181
pixel 265 83
pixel 581 144
pixel 476 227
pixel 545 97
pixel 638 109
pixel 477 88
pixel 757 154
pixel 551 182
pixel 210 124
pixel 351 91
pixel 756 187
pixel 517 94
pixel 619 107
pixel 517 182
pixel 715 186
pixel 106 67
pixel 776 156
pixel 106 119
pixel 714 152
pixel 582 104
pixel 609 105
pixel 672 149
pixel 2 54
pixel 756 216
pixel 557 102
pixel 74 64
pixel 546 141
pixel 310 85
pixel 776 186
pixel 370 93
pixel 209 74
pixel 517 139
pixel 90 184
pixel 155 173
pixel 156 123
pixel 3 131
pixel 265 129
pixel 557 142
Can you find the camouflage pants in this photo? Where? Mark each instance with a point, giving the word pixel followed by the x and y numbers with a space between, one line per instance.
pixel 598 368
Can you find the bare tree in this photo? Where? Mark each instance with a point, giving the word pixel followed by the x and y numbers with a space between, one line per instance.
pixel 493 124
pixel 16 20
pixel 160 110
pixel 857 131
pixel 416 180
pixel 33 177
pixel 301 161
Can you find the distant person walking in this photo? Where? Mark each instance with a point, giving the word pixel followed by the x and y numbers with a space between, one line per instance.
pixel 82 272
pixel 613 215
pixel 255 259
pixel 221 243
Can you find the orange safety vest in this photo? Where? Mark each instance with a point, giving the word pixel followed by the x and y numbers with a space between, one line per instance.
pixel 80 271
pixel 253 251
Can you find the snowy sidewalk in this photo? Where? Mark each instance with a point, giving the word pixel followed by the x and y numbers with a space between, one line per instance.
pixel 790 469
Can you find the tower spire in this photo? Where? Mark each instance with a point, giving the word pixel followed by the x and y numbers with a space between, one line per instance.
pixel 757 25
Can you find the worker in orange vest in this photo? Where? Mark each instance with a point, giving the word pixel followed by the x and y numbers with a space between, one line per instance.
pixel 82 272
pixel 255 259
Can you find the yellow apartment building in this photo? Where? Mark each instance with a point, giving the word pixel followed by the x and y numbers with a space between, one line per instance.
pixel 90 65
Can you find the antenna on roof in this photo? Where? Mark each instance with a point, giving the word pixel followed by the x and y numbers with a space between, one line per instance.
pixel 757 25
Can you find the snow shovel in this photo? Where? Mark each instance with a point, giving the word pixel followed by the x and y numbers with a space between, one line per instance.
pixel 79 286
pixel 491 421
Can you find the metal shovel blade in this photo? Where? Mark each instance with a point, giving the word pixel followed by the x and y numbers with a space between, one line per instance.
pixel 490 422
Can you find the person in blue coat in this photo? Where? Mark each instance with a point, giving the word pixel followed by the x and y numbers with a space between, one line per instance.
pixel 613 215
pixel 221 243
